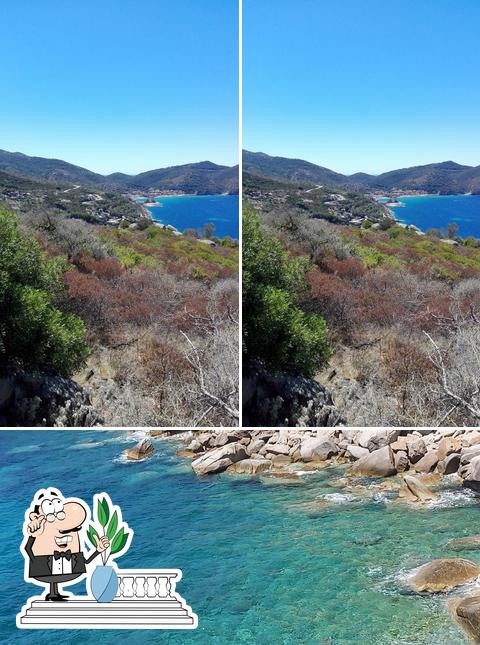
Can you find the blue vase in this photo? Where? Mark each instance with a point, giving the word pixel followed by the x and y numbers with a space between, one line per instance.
pixel 104 583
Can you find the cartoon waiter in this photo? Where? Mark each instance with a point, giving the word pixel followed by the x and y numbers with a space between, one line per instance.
pixel 52 532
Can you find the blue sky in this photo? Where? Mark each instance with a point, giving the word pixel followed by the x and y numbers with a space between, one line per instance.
pixel 120 85
pixel 362 85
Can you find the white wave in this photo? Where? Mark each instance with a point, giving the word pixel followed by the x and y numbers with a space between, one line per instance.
pixel 453 498
pixel 337 498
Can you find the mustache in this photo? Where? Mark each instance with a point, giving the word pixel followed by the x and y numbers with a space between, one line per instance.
pixel 75 530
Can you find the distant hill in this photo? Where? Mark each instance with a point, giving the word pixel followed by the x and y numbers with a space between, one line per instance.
pixel 446 178
pixel 202 178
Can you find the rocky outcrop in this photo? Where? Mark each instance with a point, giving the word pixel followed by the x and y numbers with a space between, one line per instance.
pixel 44 400
pixel 286 400
pixel 443 575
pixel 142 450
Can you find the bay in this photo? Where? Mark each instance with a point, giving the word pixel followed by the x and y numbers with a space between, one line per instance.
pixel 437 211
pixel 194 211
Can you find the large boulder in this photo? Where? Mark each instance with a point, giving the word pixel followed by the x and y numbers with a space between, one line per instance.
pixel 467 612
pixel 378 463
pixel 416 449
pixel 471 475
pixel 448 446
pixel 250 466
pixel 317 449
pixel 420 492
pixel 443 575
pixel 356 451
pixel 375 438
pixel 449 465
pixel 219 459
pixel 142 450
pixel 400 460
pixel 427 463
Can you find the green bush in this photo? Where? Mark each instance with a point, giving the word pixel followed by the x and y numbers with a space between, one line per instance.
pixel 276 329
pixel 34 333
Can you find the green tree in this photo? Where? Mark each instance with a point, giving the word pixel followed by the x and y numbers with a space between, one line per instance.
pixel 452 230
pixel 34 332
pixel 276 329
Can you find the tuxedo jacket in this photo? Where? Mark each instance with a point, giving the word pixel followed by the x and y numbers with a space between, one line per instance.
pixel 41 565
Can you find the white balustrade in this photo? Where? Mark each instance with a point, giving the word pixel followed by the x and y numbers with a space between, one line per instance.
pixel 158 584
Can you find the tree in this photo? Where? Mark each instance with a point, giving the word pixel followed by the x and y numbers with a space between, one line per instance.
pixel 276 329
pixel 452 230
pixel 34 332
pixel 208 230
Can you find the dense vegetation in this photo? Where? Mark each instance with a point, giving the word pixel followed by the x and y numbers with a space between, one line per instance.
pixel 34 332
pixel 403 317
pixel 158 311
pixel 446 178
pixel 276 330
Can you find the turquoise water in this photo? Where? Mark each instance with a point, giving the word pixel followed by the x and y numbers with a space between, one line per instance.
pixel 439 211
pixel 194 211
pixel 260 564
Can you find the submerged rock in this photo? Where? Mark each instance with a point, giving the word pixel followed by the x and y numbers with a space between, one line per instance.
pixel 443 575
pixel 464 544
pixel 418 490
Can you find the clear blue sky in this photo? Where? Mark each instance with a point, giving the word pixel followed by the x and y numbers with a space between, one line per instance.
pixel 120 85
pixel 362 85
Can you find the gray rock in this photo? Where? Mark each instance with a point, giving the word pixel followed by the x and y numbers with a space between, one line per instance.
pixel 448 446
pixel 378 463
pixel 427 463
pixel 449 465
pixel 219 459
pixel 471 474
pixel 416 450
pixel 356 451
pixel 250 466
pixel 400 460
pixel 375 438
pixel 317 449
pixel 255 445
pixel 278 448
pixel 141 451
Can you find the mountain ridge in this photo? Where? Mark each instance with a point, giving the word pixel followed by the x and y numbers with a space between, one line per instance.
pixel 204 177
pixel 447 177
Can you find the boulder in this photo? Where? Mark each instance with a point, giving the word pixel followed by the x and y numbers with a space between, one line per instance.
pixel 399 445
pixel 219 459
pixel 421 492
pixel 449 465
pixel 400 461
pixel 416 449
pixel 281 460
pixel 250 466
pixel 317 449
pixel 223 437
pixel 464 544
pixel 254 446
pixel 467 611
pixel 356 451
pixel 375 438
pixel 378 463
pixel 142 450
pixel 471 474
pixel 443 575
pixel 447 446
pixel 427 463
pixel 277 448
pixel 467 454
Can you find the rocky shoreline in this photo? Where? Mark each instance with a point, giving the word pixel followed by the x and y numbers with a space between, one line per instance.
pixel 370 452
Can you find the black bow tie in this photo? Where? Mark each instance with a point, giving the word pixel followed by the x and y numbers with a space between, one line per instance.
pixel 62 554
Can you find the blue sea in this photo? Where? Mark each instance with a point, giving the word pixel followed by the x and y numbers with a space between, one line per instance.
pixel 262 561
pixel 194 211
pixel 438 211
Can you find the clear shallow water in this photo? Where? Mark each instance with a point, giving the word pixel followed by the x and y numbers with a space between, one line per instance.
pixel 260 565
pixel 439 211
pixel 194 211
